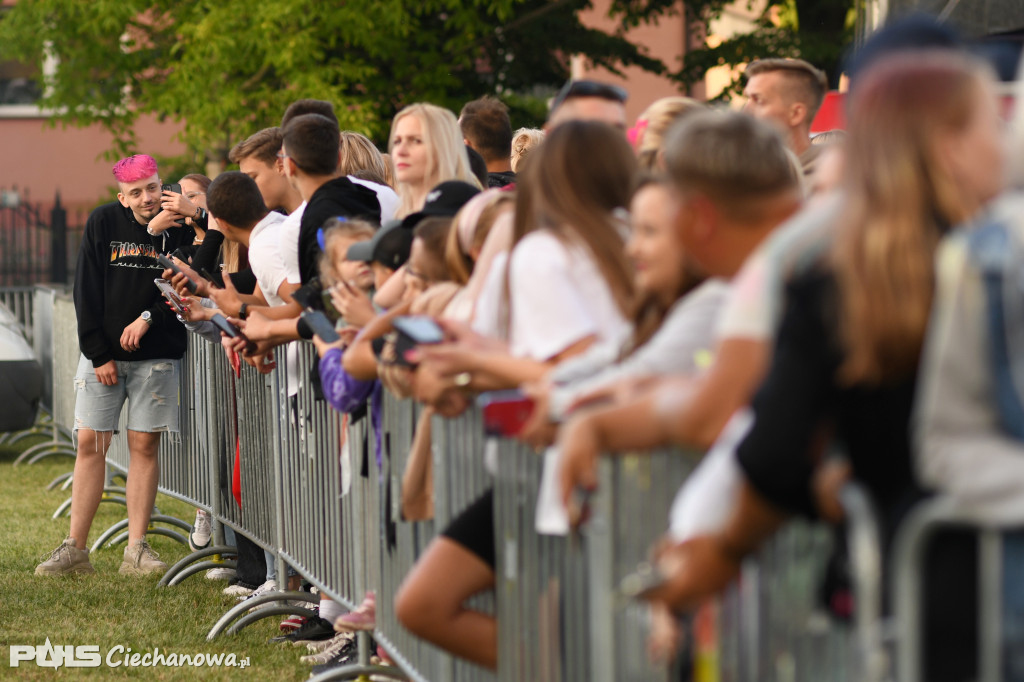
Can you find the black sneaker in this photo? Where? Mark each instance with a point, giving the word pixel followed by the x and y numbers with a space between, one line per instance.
pixel 344 656
pixel 315 629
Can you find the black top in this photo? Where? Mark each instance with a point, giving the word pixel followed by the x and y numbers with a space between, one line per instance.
pixel 207 257
pixel 500 179
pixel 337 197
pixel 114 284
pixel 801 403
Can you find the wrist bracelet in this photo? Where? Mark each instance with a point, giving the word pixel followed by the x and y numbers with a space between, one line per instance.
pixel 243 312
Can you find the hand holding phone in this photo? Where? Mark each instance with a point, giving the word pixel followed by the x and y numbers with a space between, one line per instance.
pixel 233 332
pixel 320 325
pixel 179 306
pixel 190 284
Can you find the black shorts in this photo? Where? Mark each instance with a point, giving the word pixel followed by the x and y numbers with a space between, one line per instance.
pixel 474 528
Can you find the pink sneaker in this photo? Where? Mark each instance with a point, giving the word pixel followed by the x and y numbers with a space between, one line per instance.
pixel 363 618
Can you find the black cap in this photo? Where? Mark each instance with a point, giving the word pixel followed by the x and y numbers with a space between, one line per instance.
pixel 390 246
pixel 444 200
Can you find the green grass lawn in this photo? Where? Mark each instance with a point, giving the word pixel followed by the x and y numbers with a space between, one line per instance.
pixel 107 609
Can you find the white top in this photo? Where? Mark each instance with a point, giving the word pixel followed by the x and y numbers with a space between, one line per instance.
pixel 557 297
pixel 386 197
pixel 289 232
pixel 683 344
pixel 265 256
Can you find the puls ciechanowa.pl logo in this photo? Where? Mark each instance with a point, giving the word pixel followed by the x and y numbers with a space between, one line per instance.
pixel 88 656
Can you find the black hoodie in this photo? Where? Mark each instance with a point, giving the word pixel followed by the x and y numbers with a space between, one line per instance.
pixel 114 284
pixel 337 197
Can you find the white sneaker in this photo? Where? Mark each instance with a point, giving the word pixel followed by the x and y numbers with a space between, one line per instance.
pixel 199 538
pixel 237 590
pixel 269 586
pixel 220 574
pixel 336 644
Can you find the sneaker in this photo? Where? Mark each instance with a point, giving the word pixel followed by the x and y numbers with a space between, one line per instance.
pixel 266 588
pixel 345 656
pixel 238 590
pixel 66 559
pixel 315 629
pixel 344 642
pixel 140 559
pixel 363 618
pixel 199 538
pixel 220 574
pixel 292 623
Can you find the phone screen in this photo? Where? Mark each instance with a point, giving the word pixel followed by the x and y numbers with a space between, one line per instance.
pixel 420 328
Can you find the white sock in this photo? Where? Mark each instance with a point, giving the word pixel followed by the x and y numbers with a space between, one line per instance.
pixel 330 610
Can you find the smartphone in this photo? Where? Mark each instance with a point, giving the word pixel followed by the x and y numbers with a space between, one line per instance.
pixel 171 295
pixel 505 412
pixel 168 263
pixel 305 295
pixel 420 329
pixel 173 187
pixel 232 331
pixel 208 277
pixel 320 325
pixel 642 582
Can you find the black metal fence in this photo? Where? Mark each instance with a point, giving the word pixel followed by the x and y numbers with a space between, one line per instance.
pixel 37 243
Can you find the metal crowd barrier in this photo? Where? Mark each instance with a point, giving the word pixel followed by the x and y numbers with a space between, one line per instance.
pixel 907 580
pixel 19 301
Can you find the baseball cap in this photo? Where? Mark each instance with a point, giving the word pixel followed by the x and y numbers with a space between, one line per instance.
pixel 390 246
pixel 444 200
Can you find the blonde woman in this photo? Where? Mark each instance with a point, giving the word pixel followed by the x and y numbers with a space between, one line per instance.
pixel 651 126
pixel 426 149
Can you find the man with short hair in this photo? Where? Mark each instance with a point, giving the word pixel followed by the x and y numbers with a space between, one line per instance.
pixel 131 347
pixel 310 153
pixel 234 200
pixel 257 157
pixel 788 93
pixel 487 129
pixel 582 100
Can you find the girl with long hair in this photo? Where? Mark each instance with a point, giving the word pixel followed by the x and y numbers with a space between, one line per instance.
pixel 567 286
pixel 426 148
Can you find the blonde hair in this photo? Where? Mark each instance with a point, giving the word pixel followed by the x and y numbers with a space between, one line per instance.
pixel 524 141
pixel 359 154
pixel 336 229
pixel 899 201
pixel 446 152
pixel 657 119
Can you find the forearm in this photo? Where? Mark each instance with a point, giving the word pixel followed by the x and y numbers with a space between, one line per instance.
pixel 360 361
pixel 496 371
pixel 633 426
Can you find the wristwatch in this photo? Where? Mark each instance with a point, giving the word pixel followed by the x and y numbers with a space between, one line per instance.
pixel 147 317
pixel 243 312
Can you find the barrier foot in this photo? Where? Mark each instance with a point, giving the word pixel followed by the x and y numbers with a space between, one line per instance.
pixel 153 530
pixel 198 568
pixel 66 505
pixel 108 533
pixel 38 430
pixel 61 452
pixel 199 554
pixel 60 479
pixel 243 607
pixel 51 447
pixel 360 672
pixel 67 484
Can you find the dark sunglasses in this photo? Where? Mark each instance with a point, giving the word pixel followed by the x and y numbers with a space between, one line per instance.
pixel 588 89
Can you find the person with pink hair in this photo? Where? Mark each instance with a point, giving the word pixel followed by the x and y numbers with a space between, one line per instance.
pixel 131 347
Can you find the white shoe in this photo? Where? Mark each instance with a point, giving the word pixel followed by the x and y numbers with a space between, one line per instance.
pixel 237 590
pixel 220 574
pixel 336 644
pixel 199 538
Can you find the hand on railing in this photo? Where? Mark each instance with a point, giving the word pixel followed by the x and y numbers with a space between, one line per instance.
pixel 579 447
pixel 539 431
pixel 829 479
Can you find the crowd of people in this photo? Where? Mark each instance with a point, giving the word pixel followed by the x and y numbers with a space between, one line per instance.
pixel 804 311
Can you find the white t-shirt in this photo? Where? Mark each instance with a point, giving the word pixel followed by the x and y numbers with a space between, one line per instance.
pixel 289 232
pixel 265 256
pixel 558 297
pixel 386 197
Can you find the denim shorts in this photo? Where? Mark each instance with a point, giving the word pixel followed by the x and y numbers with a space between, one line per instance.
pixel 150 386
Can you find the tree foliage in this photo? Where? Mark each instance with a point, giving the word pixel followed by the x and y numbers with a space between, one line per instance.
pixel 815 30
pixel 229 67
